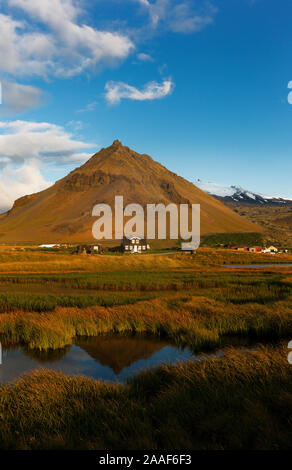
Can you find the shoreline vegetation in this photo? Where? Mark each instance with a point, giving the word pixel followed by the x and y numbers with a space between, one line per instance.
pixel 237 401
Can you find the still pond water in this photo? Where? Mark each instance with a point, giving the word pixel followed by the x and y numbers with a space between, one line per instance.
pixel 110 358
pixel 257 265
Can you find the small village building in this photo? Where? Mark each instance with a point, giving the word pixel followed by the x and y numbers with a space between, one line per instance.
pixel 240 248
pixel 134 245
pixel 272 249
pixel 88 249
pixel 251 249
pixel 255 249
pixel 188 248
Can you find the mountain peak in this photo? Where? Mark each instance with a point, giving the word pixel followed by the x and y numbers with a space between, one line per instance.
pixel 117 143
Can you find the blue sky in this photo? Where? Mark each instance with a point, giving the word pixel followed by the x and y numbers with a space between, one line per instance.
pixel 201 86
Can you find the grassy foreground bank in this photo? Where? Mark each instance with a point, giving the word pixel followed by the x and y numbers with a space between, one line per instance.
pixel 198 322
pixel 239 401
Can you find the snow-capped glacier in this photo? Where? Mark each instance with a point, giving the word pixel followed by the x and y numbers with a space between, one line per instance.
pixel 238 194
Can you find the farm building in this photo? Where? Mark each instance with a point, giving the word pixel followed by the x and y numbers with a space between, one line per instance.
pixel 271 249
pixel 255 249
pixel 251 249
pixel 88 249
pixel 188 248
pixel 134 245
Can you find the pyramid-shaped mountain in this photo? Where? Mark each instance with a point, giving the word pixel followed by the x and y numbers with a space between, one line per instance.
pixel 62 213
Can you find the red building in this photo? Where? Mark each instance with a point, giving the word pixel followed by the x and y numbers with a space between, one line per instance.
pixel 251 249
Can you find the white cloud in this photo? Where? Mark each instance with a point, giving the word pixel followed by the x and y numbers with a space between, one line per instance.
pixel 115 91
pixel 23 52
pixel 24 147
pixel 182 16
pixel 25 140
pixel 18 182
pixel 75 125
pixel 184 20
pixel 88 108
pixel 144 57
pixel 66 48
pixel 18 98
pixel 50 37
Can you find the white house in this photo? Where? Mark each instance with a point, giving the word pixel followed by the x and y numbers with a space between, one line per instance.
pixel 134 245
pixel 271 249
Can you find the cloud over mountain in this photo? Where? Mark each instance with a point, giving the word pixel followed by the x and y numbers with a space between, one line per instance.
pixel 25 147
pixel 17 182
pixel 24 140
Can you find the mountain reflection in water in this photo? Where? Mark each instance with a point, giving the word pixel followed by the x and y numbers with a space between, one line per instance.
pixel 113 358
pixel 120 352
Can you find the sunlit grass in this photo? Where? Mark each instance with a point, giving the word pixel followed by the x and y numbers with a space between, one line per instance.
pixel 44 303
pixel 195 321
pixel 239 401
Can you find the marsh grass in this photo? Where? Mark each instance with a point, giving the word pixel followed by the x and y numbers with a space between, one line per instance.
pixel 195 321
pixel 191 308
pixel 240 401
pixel 45 302
pixel 26 291
pixel 140 280
pixel 261 293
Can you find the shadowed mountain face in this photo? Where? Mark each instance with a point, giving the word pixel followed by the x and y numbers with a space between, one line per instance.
pixel 62 213
pixel 120 352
